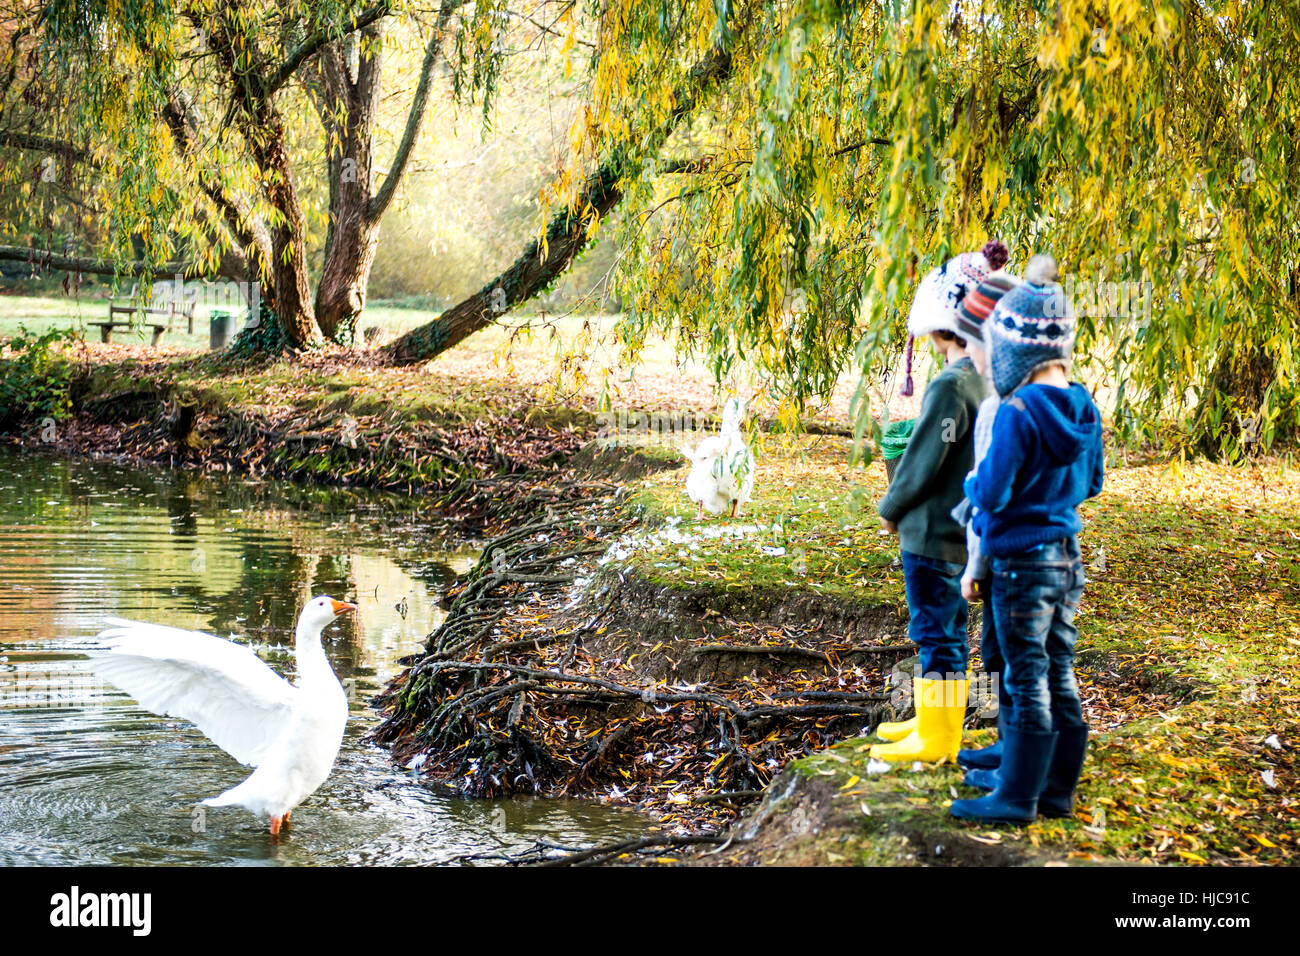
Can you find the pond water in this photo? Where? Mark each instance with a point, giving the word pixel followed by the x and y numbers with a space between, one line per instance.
pixel 87 777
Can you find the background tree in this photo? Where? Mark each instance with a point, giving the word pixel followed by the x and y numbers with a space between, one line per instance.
pixel 860 145
pixel 848 147
pixel 192 116
pixel 782 171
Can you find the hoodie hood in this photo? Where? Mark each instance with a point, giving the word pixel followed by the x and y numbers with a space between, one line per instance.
pixel 1066 418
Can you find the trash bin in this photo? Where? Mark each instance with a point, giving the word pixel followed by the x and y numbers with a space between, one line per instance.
pixel 894 442
pixel 221 328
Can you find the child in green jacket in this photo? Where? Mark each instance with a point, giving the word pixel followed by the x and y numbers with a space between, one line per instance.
pixel 926 486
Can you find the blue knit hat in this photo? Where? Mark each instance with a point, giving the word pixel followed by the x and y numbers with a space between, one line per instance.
pixel 1031 327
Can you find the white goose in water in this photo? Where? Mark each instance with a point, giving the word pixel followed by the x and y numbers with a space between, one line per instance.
pixel 722 469
pixel 289 732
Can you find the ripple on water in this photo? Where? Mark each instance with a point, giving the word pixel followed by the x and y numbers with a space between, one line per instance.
pixel 86 777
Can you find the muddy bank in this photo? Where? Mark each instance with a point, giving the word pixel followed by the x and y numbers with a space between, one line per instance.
pixel 558 672
pixel 741 719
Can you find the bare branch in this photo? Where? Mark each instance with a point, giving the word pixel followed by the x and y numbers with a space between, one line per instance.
pixel 315 41
pixel 414 118
pixel 232 267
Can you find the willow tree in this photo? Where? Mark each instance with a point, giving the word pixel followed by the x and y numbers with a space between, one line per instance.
pixel 186 123
pixel 852 145
pixel 608 153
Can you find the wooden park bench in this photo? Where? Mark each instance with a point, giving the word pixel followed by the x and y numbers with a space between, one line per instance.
pixel 162 302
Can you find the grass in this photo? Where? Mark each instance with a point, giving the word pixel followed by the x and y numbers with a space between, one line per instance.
pixel 812 524
pixel 1189 648
pixel 567 360
pixel 39 313
pixel 316 392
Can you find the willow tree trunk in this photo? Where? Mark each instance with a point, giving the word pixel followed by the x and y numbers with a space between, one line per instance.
pixel 348 74
pixel 341 295
pixel 290 293
pixel 1229 417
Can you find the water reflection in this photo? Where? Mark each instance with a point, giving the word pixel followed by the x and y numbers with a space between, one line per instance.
pixel 86 777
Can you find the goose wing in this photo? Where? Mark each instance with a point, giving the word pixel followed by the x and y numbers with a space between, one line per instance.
pixel 223 688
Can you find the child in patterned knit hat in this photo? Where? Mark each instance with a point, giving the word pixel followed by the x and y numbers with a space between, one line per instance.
pixel 1044 459
pixel 972 314
pixel 918 505
pixel 941 292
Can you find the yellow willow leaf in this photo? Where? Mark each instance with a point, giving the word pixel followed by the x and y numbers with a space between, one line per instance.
pixel 1004 200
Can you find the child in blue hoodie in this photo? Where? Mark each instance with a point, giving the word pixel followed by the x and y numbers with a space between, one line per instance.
pixel 1045 457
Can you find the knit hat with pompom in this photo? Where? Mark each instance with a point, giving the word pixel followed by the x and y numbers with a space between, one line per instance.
pixel 940 293
pixel 1030 328
pixel 978 304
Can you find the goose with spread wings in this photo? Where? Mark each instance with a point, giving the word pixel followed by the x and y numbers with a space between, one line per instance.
pixel 289 733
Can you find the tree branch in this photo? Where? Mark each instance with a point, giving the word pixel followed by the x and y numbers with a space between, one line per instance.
pixel 414 118
pixel 314 42
pixel 231 267
pixel 44 144
pixel 567 234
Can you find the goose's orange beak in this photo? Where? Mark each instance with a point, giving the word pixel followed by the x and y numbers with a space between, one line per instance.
pixel 342 606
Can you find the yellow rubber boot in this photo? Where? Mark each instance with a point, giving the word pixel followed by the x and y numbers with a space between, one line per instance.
pixel 897 730
pixel 940 710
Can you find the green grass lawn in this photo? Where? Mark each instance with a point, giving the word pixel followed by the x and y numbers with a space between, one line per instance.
pixel 541 336
pixel 39 313
pixel 814 527
pixel 572 360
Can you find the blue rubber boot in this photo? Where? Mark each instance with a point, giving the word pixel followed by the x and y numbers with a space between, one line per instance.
pixel 1026 757
pixel 1057 798
pixel 985 758
pixel 982 778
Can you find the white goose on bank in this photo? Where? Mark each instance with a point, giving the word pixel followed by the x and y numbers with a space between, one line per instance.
pixel 289 732
pixel 722 469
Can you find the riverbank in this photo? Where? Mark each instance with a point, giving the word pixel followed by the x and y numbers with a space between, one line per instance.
pixel 1189 640
pixel 726 674
pixel 341 416
pixel 329 418
pixel 561 671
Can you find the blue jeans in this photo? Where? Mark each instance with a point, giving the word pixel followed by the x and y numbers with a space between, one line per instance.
pixel 1035 596
pixel 991 651
pixel 938 615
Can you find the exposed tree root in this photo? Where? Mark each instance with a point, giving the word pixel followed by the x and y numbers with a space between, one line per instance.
pixel 532 683
pixel 543 853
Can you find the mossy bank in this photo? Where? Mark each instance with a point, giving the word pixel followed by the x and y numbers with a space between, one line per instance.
pixel 322 418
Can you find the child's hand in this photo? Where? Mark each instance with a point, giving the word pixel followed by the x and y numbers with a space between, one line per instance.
pixel 972 588
pixel 888 526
